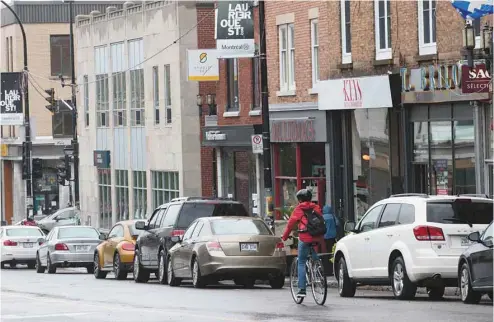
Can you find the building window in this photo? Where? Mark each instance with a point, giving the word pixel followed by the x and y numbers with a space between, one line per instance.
pixel 287 57
pixel 60 55
pixel 382 15
pixel 165 187
pixel 427 27
pixel 102 97
pixel 140 194
pixel 62 122
pixel 122 190
pixel 86 100
pixel 477 27
pixel 136 57
pixel 104 188
pixel 314 35
pixel 156 95
pixel 11 54
pixel 346 32
pixel 232 84
pixel 256 84
pixel 168 94
pixel 119 85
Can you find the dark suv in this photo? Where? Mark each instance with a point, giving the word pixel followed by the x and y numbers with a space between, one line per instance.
pixel 169 220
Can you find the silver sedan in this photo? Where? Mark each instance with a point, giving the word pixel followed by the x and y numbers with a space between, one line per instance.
pixel 68 246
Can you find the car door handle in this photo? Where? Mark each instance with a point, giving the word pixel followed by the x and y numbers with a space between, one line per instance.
pixel 389 235
pixel 367 238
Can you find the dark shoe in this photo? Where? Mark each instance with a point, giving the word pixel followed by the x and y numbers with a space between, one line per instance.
pixel 301 293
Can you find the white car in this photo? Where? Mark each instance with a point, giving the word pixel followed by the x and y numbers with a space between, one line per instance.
pixel 19 245
pixel 409 241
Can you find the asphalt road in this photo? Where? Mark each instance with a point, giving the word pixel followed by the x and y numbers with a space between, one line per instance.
pixel 72 295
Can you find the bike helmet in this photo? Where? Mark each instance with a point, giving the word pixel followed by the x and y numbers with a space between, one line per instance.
pixel 304 195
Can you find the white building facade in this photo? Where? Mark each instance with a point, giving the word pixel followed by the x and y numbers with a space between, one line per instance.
pixel 137 116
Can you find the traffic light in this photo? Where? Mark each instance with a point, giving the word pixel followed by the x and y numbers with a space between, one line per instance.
pixel 37 168
pixel 25 161
pixel 52 107
pixel 68 168
pixel 61 175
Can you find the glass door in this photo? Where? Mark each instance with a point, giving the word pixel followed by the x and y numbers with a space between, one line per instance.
pixel 441 156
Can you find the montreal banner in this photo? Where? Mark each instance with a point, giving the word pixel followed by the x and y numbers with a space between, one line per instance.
pixel 11 99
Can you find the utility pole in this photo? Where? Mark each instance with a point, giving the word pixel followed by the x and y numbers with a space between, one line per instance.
pixel 27 125
pixel 266 134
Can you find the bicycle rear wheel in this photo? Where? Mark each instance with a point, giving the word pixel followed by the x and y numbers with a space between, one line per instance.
pixel 294 282
pixel 319 283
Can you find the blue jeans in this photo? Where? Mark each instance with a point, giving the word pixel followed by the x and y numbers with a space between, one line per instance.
pixel 303 254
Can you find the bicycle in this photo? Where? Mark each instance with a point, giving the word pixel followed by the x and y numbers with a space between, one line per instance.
pixel 315 278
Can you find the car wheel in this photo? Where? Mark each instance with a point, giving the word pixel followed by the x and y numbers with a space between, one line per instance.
pixel 39 268
pixel 172 280
pixel 162 265
pixel 490 295
pixel 119 272
pixel 90 269
pixel 403 288
pixel 468 295
pixel 346 287
pixel 2 265
pixel 277 281
pixel 197 279
pixel 31 265
pixel 141 275
pixel 436 293
pixel 98 273
pixel 52 269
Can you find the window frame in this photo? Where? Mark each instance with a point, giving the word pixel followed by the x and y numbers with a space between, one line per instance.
pixel 232 85
pixel 379 221
pixel 387 52
pixel 376 221
pixel 104 197
pixel 60 119
pixel 168 93
pixel 256 83
pixel 314 46
pixel 67 73
pixel 346 56
pixel 117 226
pixel 287 71
pixel 159 187
pixel 122 191
pixel 85 94
pixel 102 96
pixel 139 189
pixel 156 95
pixel 431 47
pixel 137 81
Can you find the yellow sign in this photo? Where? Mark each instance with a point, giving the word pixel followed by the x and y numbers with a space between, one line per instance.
pixel 5 150
pixel 203 65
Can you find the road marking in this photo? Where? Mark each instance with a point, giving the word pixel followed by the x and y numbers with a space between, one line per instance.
pixel 41 316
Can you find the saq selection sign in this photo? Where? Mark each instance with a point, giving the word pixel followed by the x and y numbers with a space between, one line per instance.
pixel 235 29
pixel 11 99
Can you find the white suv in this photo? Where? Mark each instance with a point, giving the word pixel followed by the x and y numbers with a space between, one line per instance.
pixel 410 241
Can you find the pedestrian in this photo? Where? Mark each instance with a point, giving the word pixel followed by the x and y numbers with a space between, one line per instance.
pixel 332 225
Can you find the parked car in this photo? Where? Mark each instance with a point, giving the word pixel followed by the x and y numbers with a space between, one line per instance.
pixel 171 220
pixel 116 253
pixel 68 246
pixel 63 217
pixel 410 241
pixel 19 245
pixel 475 267
pixel 221 248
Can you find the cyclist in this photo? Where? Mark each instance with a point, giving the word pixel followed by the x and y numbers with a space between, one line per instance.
pixel 299 218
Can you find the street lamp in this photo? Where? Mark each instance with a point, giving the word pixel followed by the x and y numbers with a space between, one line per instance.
pixel 469 41
pixel 486 44
pixel 199 103
pixel 211 101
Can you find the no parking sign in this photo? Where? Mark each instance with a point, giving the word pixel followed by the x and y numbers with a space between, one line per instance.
pixel 257 146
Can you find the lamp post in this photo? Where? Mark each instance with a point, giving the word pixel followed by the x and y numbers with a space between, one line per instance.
pixel 211 101
pixel 469 41
pixel 199 103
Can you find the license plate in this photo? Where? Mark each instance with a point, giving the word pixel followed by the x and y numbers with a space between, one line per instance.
pixel 28 245
pixel 248 247
pixel 84 248
pixel 465 241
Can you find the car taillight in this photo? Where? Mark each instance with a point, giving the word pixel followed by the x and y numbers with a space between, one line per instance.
pixel 9 243
pixel 214 247
pixel 128 247
pixel 280 246
pixel 61 246
pixel 428 233
pixel 178 232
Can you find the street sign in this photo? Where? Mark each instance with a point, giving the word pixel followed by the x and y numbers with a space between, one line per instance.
pixel 257 146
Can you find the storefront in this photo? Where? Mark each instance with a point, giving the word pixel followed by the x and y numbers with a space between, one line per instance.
pixel 236 170
pixel 298 140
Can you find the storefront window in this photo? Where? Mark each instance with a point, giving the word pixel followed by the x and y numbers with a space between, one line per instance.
pixel 239 176
pixel 490 132
pixel 370 141
pixel 464 139
pixel 287 159
pixel 441 157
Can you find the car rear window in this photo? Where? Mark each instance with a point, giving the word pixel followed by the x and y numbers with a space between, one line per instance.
pixel 192 211
pixel 239 227
pixel 77 232
pixel 460 211
pixel 23 232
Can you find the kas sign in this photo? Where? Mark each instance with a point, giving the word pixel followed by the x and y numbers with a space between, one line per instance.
pixel 475 80
pixel 11 99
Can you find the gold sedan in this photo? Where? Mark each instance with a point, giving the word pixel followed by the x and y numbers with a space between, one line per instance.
pixel 116 253
pixel 223 248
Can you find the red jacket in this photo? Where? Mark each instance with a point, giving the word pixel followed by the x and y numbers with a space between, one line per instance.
pixel 298 218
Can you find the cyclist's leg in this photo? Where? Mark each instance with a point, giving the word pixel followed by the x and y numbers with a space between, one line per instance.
pixel 303 253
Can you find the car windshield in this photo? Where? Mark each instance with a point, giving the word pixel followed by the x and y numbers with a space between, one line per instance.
pixel 460 211
pixel 77 232
pixel 192 211
pixel 24 232
pixel 239 227
pixel 134 231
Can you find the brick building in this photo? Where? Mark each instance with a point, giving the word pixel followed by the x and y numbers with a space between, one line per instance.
pixel 366 101
pixel 229 168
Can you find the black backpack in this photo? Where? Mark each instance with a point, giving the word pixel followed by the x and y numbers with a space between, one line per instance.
pixel 316 226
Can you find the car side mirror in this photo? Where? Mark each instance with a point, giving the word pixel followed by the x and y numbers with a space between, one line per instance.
pixel 141 225
pixel 103 236
pixel 475 237
pixel 176 239
pixel 41 240
pixel 349 226
pixel 56 219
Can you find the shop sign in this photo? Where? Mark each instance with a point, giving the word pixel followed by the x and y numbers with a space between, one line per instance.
pixel 101 159
pixel 215 136
pixel 4 150
pixel 293 131
pixel 475 80
pixel 11 112
pixel 203 65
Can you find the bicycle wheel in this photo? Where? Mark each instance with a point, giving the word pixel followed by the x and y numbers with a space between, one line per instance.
pixel 319 283
pixel 294 282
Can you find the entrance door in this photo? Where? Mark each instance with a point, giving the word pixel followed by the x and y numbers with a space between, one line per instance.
pixel 420 177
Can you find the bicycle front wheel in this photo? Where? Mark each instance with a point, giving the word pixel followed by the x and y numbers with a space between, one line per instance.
pixel 294 282
pixel 319 283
